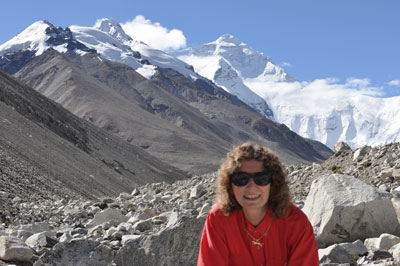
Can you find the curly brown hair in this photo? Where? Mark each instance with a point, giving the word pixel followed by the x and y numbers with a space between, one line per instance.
pixel 279 198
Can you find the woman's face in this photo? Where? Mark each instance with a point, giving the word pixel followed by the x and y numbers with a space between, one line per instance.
pixel 251 196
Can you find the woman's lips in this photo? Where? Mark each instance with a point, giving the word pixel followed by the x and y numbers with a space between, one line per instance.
pixel 251 196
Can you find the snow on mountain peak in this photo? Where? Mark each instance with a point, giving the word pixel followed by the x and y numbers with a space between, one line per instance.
pixel 40 36
pixel 33 38
pixel 113 28
pixel 150 57
pixel 107 38
pixel 228 40
pixel 248 63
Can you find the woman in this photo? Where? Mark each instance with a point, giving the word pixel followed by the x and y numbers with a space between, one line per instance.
pixel 254 222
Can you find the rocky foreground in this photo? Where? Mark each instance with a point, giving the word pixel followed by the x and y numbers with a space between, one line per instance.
pixel 352 200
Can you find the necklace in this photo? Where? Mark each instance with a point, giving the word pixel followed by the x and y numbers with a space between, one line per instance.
pixel 256 241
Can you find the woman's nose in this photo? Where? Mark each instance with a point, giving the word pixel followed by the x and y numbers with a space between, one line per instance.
pixel 251 183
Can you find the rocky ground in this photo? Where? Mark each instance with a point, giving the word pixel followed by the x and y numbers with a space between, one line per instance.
pixel 378 166
pixel 160 223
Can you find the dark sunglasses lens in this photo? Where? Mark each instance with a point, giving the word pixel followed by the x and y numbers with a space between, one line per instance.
pixel 262 179
pixel 240 179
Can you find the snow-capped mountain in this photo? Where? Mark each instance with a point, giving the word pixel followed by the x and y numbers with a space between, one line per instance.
pixel 150 58
pixel 328 116
pixel 108 39
pixel 248 63
pixel 219 61
pixel 252 76
pixel 40 36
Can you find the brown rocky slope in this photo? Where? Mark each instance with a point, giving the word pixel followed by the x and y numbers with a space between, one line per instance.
pixel 45 150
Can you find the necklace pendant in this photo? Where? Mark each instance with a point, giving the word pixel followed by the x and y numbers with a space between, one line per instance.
pixel 257 243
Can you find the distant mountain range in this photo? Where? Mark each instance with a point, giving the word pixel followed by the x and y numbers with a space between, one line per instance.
pixel 148 98
pixel 230 64
pixel 357 120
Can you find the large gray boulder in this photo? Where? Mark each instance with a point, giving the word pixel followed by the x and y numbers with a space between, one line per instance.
pixel 343 209
pixel 177 245
pixel 13 249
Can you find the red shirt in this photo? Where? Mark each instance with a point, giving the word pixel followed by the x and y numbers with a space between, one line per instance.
pixel 290 240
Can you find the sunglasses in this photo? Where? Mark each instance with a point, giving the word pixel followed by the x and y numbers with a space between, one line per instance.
pixel 241 179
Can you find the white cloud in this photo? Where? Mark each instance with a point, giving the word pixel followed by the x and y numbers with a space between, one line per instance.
pixel 357 83
pixel 394 82
pixel 286 64
pixel 154 34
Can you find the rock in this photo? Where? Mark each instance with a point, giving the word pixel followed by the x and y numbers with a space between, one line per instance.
pixel 66 237
pixel 107 215
pixel 167 197
pixel 386 173
pixel 384 242
pixel 164 217
pixel 351 210
pixel 133 220
pixel 4 195
pixel 316 167
pixel 13 249
pixel 396 206
pixel 125 196
pixel 186 206
pixel 74 211
pixel 127 238
pixel 341 147
pixel 380 255
pixel 396 174
pixel 78 252
pixel 39 240
pixel 17 199
pixel 359 153
pixel 109 233
pixel 205 208
pixel 82 231
pixel 173 219
pixel 146 214
pixel 97 230
pixel 147 197
pixel 182 249
pixel 135 192
pixel 383 188
pixel 335 254
pixel 395 251
pixel 356 248
pixel 197 191
pixel 142 226
pixel 124 227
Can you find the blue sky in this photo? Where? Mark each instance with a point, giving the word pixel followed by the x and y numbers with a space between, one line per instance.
pixel 311 39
